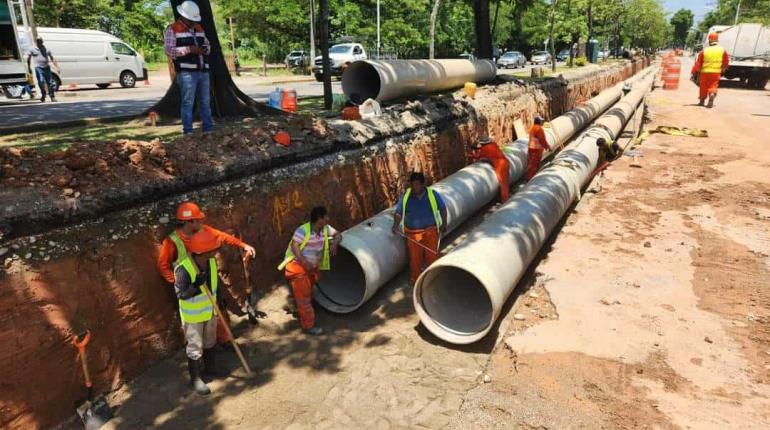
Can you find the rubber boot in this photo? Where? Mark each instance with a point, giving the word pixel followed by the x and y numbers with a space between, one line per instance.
pixel 702 102
pixel 195 367
pixel 210 364
pixel 711 100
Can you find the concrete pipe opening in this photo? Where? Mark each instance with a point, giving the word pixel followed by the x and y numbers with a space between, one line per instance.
pixel 456 303
pixel 342 289
pixel 362 82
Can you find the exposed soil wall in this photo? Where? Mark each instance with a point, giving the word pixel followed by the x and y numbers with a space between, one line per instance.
pixel 100 274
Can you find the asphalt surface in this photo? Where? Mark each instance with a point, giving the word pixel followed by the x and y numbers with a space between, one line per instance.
pixel 87 101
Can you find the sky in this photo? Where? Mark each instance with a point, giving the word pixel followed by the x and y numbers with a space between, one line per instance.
pixel 699 8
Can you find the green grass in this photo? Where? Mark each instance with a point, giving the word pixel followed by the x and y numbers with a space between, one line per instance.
pixel 63 138
pixel 154 67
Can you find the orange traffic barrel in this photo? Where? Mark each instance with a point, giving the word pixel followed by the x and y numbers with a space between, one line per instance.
pixel 289 100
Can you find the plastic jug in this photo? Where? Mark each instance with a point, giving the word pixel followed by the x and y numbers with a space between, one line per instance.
pixel 274 98
pixel 470 89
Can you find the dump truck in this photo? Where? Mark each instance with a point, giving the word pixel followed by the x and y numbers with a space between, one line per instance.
pixel 749 48
pixel 13 71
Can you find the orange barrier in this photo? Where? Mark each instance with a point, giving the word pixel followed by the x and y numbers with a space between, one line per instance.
pixel 289 100
pixel 672 68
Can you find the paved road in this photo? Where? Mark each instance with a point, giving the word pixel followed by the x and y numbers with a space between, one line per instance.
pixel 90 102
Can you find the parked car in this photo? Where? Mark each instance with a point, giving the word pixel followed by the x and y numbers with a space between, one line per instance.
pixel 511 60
pixel 467 56
pixel 563 55
pixel 296 59
pixel 604 54
pixel 540 57
pixel 90 57
pixel 341 55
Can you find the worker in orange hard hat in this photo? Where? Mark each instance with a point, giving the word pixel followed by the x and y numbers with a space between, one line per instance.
pixel 711 64
pixel 196 270
pixel 536 147
pixel 490 152
pixel 174 248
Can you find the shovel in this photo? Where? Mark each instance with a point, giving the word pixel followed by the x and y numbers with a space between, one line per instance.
pixel 93 413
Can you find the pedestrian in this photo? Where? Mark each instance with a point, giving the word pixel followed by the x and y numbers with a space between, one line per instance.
pixel 711 64
pixel 309 252
pixel 198 268
pixel 186 44
pixel 488 151
pixel 43 58
pixel 175 246
pixel 27 89
pixel 421 216
pixel 536 147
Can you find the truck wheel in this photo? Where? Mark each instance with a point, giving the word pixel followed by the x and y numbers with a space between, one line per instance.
pixel 319 77
pixel 127 79
pixel 102 86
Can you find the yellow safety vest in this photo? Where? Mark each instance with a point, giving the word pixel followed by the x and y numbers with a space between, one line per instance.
pixel 712 59
pixel 198 309
pixel 324 257
pixel 181 250
pixel 431 200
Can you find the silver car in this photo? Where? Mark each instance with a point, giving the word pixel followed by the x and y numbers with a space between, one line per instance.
pixel 511 60
pixel 540 57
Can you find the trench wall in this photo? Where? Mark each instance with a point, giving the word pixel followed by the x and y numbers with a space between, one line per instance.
pixel 100 274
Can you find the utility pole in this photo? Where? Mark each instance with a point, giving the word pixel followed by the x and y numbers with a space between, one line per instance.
pixel 737 12
pixel 378 29
pixel 312 34
pixel 326 62
pixel 31 20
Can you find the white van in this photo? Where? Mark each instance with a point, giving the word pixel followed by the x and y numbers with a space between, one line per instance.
pixel 89 57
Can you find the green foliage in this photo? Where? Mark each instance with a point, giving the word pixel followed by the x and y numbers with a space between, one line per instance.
pixel 681 21
pixel 581 61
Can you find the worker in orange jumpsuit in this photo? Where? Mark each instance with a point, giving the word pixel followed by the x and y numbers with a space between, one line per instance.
pixel 711 64
pixel 174 247
pixel 420 216
pixel 309 251
pixel 490 152
pixel 536 147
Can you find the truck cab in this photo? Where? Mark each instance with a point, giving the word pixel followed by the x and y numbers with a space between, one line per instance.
pixel 12 68
pixel 340 56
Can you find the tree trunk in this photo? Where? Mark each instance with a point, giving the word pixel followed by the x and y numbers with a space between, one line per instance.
pixel 554 4
pixel 494 23
pixel 226 99
pixel 483 36
pixel 325 60
pixel 433 17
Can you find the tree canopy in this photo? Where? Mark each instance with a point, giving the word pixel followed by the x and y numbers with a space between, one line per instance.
pixel 682 22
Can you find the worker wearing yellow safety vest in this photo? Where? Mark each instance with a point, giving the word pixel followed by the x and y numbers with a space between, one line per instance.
pixel 309 251
pixel 711 64
pixel 193 272
pixel 420 216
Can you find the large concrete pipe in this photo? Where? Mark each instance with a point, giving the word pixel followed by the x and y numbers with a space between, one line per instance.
pixel 370 255
pixel 392 79
pixel 459 297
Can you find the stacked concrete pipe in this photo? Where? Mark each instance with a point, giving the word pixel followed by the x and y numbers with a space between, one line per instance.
pixel 459 297
pixel 370 254
pixel 392 79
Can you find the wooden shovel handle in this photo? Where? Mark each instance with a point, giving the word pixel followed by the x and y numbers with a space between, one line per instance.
pixel 227 329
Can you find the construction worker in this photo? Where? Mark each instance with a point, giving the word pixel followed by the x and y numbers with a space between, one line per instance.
pixel 186 44
pixel 421 216
pixel 711 64
pixel 536 147
pixel 608 151
pixel 309 251
pixel 174 247
pixel 198 268
pixel 489 151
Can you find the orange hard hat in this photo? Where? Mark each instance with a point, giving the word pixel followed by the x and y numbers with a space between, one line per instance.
pixel 189 211
pixel 282 138
pixel 203 242
pixel 713 37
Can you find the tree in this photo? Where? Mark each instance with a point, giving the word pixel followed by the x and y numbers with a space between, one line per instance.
pixel 682 22
pixel 433 16
pixel 227 99
pixel 483 34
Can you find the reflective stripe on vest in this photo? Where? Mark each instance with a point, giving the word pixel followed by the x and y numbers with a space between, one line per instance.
pixel 431 200
pixel 186 36
pixel 198 309
pixel 712 59
pixel 181 250
pixel 289 256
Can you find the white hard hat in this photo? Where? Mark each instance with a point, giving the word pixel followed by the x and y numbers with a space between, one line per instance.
pixel 190 10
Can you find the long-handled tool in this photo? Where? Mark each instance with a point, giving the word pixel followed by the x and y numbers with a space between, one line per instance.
pixel 93 413
pixel 251 298
pixel 433 251
pixel 227 329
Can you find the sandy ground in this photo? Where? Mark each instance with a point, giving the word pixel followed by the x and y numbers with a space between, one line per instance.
pixel 650 309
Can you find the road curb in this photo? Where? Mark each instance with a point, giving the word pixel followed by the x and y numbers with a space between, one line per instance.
pixel 36 126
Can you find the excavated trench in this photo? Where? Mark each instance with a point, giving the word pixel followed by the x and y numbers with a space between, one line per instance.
pixel 98 272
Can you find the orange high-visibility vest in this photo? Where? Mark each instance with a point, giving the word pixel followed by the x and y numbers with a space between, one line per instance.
pixel 712 59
